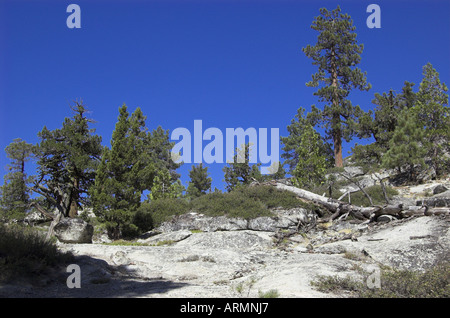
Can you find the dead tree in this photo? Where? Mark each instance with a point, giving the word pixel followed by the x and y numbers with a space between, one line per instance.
pixel 338 208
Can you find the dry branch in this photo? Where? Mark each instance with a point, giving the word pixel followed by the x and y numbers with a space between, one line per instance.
pixel 338 208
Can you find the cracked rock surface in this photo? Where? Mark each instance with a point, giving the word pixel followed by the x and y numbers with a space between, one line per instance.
pixel 212 264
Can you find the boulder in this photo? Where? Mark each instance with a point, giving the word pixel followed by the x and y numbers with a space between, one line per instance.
pixel 36 217
pixel 439 189
pixel 74 230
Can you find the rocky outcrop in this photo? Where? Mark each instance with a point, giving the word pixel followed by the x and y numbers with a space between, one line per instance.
pixel 74 230
pixel 442 199
pixel 244 263
pixel 34 218
pixel 282 220
pixel 414 244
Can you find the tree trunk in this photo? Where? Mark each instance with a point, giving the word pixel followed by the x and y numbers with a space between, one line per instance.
pixel 73 210
pixel 52 225
pixel 338 208
pixel 331 204
pixel 337 138
pixel 338 161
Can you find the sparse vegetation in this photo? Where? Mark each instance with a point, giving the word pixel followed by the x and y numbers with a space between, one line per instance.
pixel 273 293
pixel 125 243
pixel 375 192
pixel 395 283
pixel 243 202
pixel 26 255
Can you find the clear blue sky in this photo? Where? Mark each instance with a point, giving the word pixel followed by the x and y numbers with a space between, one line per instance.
pixel 230 63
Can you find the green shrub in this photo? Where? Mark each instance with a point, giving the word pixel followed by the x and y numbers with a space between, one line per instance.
pixel 243 202
pixel 328 284
pixel 156 212
pixel 143 219
pixel 271 197
pixel 273 293
pixel 122 242
pixel 231 204
pixel 433 283
pixel 25 254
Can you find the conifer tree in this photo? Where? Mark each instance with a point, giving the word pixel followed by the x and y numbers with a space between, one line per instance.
pixel 311 169
pixel 15 191
pixel 406 148
pixel 336 55
pixel 137 161
pixel 116 194
pixel 303 139
pixel 434 114
pixel 382 123
pixel 200 181
pixel 239 171
pixel 165 187
pixel 67 159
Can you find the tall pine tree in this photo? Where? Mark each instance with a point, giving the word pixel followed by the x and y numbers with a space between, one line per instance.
pixel 116 193
pixel 137 161
pixel 434 114
pixel 336 55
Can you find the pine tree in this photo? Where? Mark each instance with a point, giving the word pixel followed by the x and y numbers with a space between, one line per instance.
pixel 15 191
pixel 301 133
pixel 434 114
pixel 200 181
pixel 67 159
pixel 311 169
pixel 165 187
pixel 159 149
pixel 381 124
pixel 137 161
pixel 406 148
pixel 239 171
pixel 336 54
pixel 116 194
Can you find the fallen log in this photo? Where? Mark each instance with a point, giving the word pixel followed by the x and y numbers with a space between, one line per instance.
pixel 437 211
pixel 338 208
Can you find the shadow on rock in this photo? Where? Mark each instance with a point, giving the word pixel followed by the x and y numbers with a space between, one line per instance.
pixel 94 279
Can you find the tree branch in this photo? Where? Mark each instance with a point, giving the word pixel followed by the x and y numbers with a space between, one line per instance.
pixel 359 186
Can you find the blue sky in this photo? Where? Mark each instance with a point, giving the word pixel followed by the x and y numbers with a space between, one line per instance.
pixel 230 63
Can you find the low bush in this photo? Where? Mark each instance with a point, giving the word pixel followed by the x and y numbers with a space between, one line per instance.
pixel 243 202
pixel 271 197
pixel 231 204
pixel 152 214
pixel 25 254
pixel 433 283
